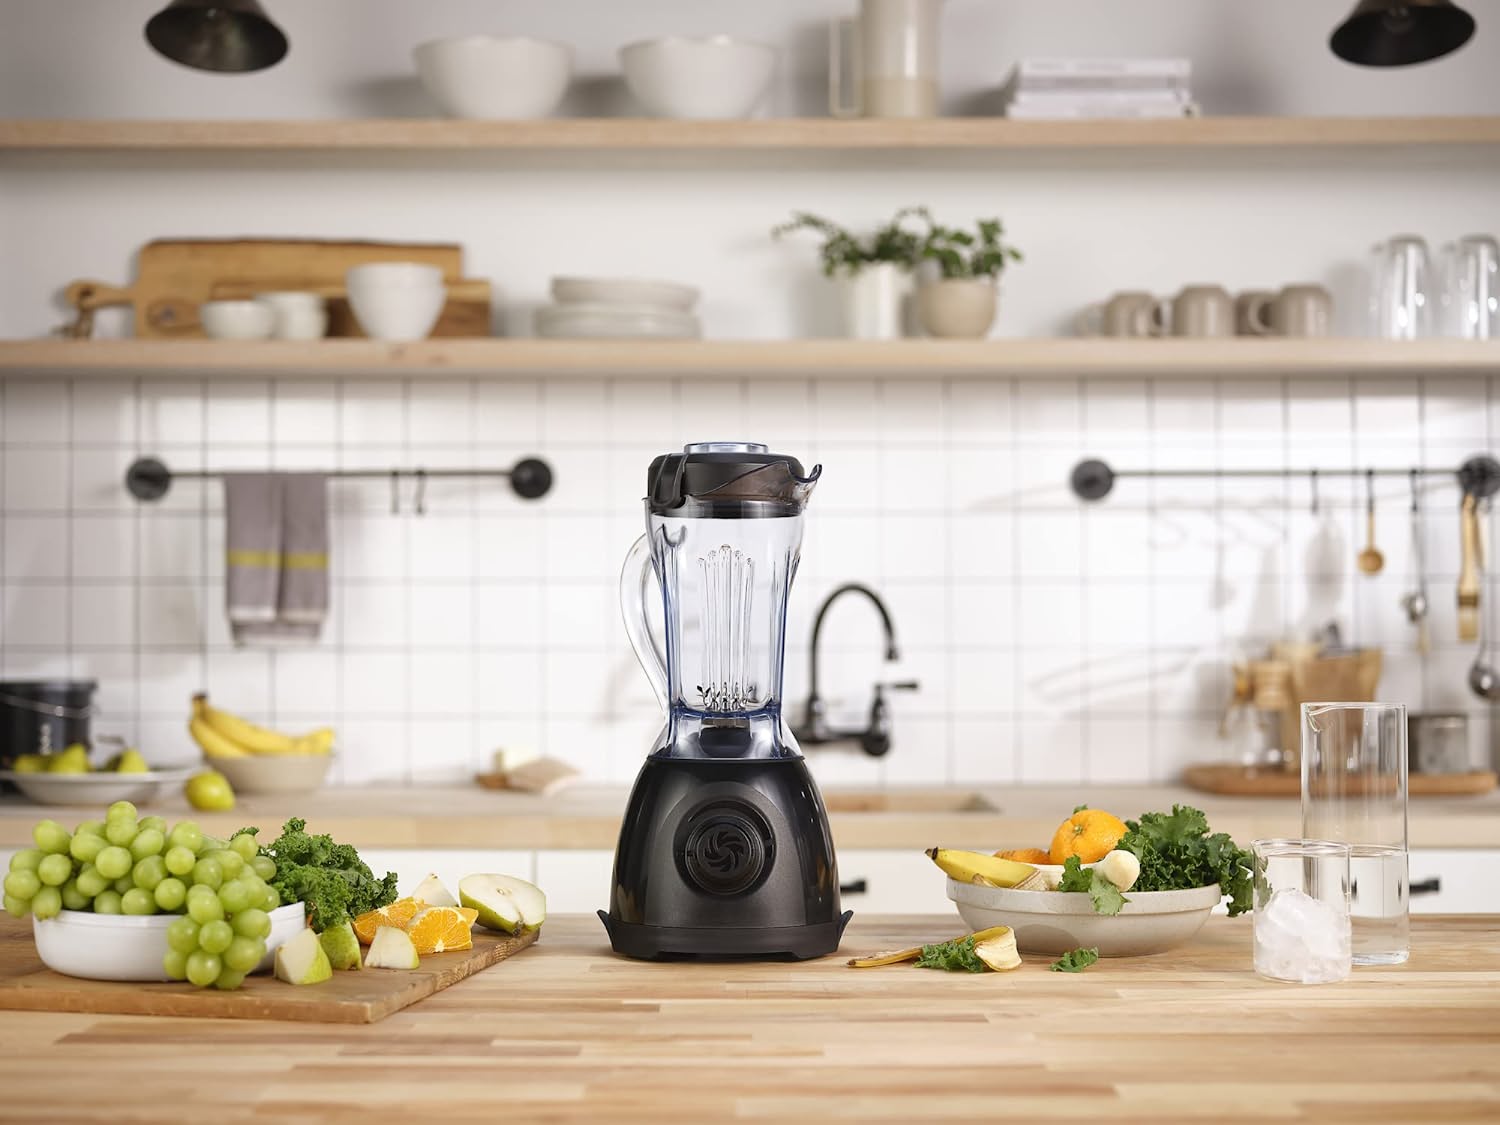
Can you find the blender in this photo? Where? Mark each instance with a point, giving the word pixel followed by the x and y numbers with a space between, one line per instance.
pixel 725 849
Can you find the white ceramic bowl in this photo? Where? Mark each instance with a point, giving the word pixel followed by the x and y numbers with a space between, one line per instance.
pixel 624 291
pixel 296 315
pixel 1056 921
pixel 90 789
pixel 614 322
pixel 711 78
pixel 396 300
pixel 236 320
pixel 274 773
pixel 495 76
pixel 130 946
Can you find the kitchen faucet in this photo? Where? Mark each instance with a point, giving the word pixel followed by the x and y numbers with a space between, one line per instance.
pixel 875 739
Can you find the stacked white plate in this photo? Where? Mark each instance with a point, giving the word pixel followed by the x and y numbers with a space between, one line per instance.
pixel 593 308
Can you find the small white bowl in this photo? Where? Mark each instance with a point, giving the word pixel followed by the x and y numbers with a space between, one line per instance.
pixel 396 300
pixel 1056 921
pixel 102 788
pixel 614 322
pixel 297 315
pixel 495 76
pixel 624 291
pixel 713 78
pixel 236 320
pixel 274 773
pixel 130 947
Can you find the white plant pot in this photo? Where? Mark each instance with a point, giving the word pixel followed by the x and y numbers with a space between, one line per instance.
pixel 875 300
pixel 962 308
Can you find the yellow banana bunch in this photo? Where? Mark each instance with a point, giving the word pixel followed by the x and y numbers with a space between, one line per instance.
pixel 223 735
pixel 976 867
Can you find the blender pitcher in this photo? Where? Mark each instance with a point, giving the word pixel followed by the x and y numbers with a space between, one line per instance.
pixel 724 849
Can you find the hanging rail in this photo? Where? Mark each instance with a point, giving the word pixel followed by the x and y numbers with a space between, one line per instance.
pixel 1094 479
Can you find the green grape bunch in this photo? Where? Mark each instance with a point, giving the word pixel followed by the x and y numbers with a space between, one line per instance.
pixel 127 864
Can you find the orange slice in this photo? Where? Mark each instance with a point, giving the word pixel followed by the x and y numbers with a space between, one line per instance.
pixel 440 929
pixel 397 914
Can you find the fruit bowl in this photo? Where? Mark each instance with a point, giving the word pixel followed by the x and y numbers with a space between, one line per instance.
pixel 100 788
pixel 274 773
pixel 128 947
pixel 1054 922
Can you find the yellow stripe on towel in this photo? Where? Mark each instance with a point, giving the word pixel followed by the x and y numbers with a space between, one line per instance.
pixel 305 560
pixel 273 560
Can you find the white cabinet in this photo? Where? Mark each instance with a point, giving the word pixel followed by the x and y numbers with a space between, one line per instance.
pixel 450 864
pixel 878 881
pixel 1455 882
pixel 575 881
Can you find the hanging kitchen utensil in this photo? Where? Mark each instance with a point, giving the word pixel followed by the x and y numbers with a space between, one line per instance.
pixel 1415 603
pixel 1401 32
pixel 1371 561
pixel 224 36
pixel 1469 569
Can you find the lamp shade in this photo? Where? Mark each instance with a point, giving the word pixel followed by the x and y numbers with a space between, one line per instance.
pixel 228 36
pixel 1401 32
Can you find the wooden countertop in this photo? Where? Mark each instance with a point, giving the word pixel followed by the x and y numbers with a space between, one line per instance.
pixel 567 1031
pixel 586 816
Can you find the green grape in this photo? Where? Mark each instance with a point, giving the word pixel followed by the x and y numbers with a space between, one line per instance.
pixel 202 910
pixel 121 831
pixel 148 872
pixel 170 894
pixel 85 846
pixel 137 901
pixel 23 884
pixel 107 902
pixel 252 923
pixel 180 860
pixel 238 895
pixel 90 828
pixel 228 980
pixel 271 901
pixel 230 863
pixel 198 890
pixel 244 846
pixel 51 837
pixel 243 954
pixel 55 870
pixel 89 881
pixel 27 859
pixel 113 862
pixel 73 898
pixel 187 835
pixel 215 937
pixel 208 873
pixel 182 935
pixel 174 964
pixel 155 823
pixel 121 809
pixel 123 884
pixel 46 902
pixel 203 968
pixel 17 907
pixel 148 841
pixel 264 866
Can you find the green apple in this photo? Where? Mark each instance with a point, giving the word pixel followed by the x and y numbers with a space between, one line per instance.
pixel 391 949
pixel 209 791
pixel 431 891
pixel 504 902
pixel 301 960
pixel 341 946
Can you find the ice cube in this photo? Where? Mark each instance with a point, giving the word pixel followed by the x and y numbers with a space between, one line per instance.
pixel 1301 938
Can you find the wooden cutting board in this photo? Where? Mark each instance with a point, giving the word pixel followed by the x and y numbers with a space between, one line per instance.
pixel 350 997
pixel 175 276
pixel 1241 781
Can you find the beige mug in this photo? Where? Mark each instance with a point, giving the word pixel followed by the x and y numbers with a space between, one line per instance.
pixel 1243 304
pixel 1132 312
pixel 1202 310
pixel 1298 310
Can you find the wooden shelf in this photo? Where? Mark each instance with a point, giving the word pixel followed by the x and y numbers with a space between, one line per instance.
pixel 956 133
pixel 503 358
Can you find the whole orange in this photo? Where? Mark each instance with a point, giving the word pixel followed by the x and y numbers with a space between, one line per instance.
pixel 1026 855
pixel 1090 834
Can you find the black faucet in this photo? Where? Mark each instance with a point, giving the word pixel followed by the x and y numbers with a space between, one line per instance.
pixel 875 739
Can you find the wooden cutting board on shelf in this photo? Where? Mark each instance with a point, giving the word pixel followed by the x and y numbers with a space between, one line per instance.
pixel 350 997
pixel 175 276
pixel 1245 781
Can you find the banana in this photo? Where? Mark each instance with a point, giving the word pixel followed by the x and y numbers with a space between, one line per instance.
pixel 318 742
pixel 256 740
pixel 211 742
pixel 972 867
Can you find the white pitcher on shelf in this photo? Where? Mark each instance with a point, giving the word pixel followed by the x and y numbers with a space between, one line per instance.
pixel 884 61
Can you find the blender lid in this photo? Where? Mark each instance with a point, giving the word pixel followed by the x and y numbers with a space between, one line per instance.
pixel 728 479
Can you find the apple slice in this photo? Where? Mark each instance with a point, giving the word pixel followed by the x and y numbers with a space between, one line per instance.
pixel 301 960
pixel 391 949
pixel 431 891
pixel 341 946
pixel 504 902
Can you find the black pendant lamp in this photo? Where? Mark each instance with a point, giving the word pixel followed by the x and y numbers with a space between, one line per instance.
pixel 228 36
pixel 1401 32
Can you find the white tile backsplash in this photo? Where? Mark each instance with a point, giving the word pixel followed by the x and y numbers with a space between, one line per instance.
pixel 1053 641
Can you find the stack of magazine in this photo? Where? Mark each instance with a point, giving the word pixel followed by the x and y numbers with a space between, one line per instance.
pixel 1066 89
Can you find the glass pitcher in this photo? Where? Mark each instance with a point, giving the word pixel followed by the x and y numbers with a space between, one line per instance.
pixel 723 538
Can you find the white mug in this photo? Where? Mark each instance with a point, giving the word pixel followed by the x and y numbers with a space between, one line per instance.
pixel 884 61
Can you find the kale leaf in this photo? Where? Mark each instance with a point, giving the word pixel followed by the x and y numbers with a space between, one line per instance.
pixel 1178 853
pixel 329 878
pixel 1075 961
pixel 1105 896
pixel 954 956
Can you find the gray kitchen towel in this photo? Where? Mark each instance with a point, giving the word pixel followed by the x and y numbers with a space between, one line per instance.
pixel 276 560
pixel 252 547
pixel 303 599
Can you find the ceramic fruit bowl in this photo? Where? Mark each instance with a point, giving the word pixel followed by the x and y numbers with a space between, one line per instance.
pixel 274 773
pixel 130 947
pixel 102 788
pixel 716 77
pixel 1054 922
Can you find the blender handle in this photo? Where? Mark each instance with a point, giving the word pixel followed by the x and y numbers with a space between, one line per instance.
pixel 634 577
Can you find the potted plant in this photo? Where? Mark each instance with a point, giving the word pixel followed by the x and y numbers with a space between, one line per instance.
pixel 875 272
pixel 961 300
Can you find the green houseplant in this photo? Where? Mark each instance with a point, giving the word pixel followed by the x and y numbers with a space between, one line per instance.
pixel 875 271
pixel 961 300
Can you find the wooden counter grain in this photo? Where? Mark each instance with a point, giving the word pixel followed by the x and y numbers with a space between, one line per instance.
pixel 569 1032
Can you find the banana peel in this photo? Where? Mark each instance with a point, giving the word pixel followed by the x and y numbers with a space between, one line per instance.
pixel 901 956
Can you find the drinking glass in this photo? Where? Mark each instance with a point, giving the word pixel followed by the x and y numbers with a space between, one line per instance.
pixel 1400 285
pixel 1471 288
pixel 1301 920
pixel 1354 792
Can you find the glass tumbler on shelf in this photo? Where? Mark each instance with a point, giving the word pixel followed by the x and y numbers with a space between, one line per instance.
pixel 1354 774
pixel 1471 288
pixel 1400 289
pixel 1301 920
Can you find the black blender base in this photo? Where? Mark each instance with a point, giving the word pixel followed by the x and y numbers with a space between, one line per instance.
pixel 660 943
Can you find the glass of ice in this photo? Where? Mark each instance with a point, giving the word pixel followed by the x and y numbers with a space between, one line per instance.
pixel 1301 921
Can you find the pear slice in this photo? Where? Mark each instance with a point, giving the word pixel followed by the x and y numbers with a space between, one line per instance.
pixel 341 946
pixel 504 902
pixel 391 949
pixel 431 891
pixel 301 960
pixel 998 950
